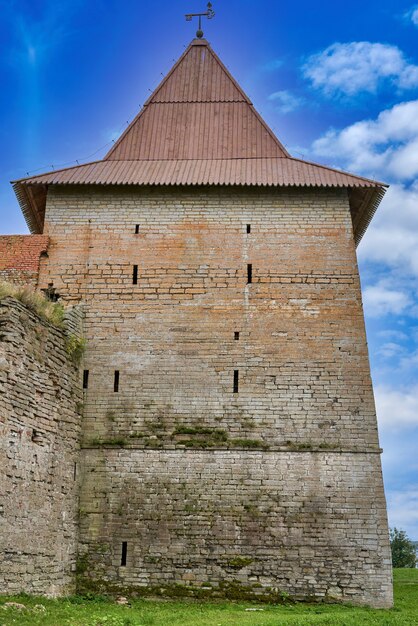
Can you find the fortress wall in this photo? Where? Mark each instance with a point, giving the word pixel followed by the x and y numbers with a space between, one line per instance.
pixel 40 429
pixel 301 359
pixel 236 522
pixel 20 258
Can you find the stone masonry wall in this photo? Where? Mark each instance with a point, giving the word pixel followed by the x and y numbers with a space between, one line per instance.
pixel 236 522
pixel 20 258
pixel 40 398
pixel 161 360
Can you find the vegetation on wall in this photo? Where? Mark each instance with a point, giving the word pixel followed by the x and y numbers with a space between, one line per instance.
pixel 75 348
pixel 36 302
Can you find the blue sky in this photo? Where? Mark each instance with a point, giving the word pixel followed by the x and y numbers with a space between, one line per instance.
pixel 337 81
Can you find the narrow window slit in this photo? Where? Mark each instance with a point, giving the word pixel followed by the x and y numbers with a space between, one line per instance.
pixel 248 229
pixel 236 336
pixel 236 376
pixel 137 229
pixel 249 273
pixel 75 471
pixel 85 379
pixel 116 382
pixel 36 436
pixel 135 275
pixel 124 553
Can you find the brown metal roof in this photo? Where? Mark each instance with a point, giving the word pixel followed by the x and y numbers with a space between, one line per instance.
pixel 199 128
pixel 196 130
pixel 286 172
pixel 199 76
pixel 197 112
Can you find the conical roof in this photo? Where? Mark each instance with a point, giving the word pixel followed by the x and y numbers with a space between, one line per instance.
pixel 200 128
pixel 197 112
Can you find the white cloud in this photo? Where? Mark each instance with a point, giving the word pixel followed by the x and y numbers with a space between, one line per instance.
pixel 392 237
pixel 397 409
pixel 403 511
pixel 387 145
pixel 360 66
pixel 379 300
pixel 391 350
pixel 393 334
pixel 412 15
pixel 409 362
pixel 285 102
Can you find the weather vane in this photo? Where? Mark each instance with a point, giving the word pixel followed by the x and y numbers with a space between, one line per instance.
pixel 210 13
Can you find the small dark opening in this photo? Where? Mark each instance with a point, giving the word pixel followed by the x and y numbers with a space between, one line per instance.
pixel 137 229
pixel 236 376
pixel 116 382
pixel 248 229
pixel 135 275
pixel 85 379
pixel 50 293
pixel 249 273
pixel 124 553
pixel 35 436
pixel 75 471
pixel 236 336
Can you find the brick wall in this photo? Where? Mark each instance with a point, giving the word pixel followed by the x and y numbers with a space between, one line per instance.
pixel 40 429
pixel 304 397
pixel 20 257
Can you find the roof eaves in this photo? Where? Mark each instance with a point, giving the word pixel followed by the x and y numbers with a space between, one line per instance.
pixel 28 209
pixel 368 214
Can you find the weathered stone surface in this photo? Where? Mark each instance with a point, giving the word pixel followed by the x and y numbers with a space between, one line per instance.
pixel 40 430
pixel 308 524
pixel 286 472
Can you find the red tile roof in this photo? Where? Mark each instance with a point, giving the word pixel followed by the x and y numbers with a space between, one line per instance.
pixel 199 128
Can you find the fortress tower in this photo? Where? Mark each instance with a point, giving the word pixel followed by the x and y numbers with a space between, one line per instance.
pixel 229 441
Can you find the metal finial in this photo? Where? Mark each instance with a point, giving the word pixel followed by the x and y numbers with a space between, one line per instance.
pixel 210 13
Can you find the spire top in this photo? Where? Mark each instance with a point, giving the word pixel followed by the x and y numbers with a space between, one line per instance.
pixel 210 13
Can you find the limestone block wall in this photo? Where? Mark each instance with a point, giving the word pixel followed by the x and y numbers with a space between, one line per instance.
pixel 20 257
pixel 40 401
pixel 221 324
pixel 236 522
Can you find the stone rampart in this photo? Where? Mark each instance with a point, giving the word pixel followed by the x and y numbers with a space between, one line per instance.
pixel 40 401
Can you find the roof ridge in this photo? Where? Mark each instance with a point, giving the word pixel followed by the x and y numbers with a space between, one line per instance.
pixel 201 102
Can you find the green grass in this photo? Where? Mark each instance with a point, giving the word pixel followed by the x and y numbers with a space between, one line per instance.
pixel 101 612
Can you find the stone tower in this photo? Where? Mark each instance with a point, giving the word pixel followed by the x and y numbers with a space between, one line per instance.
pixel 229 440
